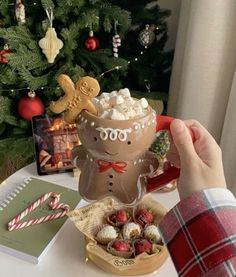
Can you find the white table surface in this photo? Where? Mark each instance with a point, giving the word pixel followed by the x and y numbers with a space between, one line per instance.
pixel 66 257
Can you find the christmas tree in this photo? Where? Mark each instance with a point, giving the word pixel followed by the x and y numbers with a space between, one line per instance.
pixel 87 45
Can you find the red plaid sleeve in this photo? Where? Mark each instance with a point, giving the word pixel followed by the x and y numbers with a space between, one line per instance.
pixel 200 233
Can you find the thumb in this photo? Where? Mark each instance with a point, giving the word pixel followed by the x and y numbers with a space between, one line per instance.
pixel 182 140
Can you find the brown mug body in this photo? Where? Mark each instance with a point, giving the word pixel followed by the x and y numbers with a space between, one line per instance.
pixel 114 155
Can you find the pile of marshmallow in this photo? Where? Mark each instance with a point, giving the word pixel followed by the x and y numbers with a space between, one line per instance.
pixel 119 105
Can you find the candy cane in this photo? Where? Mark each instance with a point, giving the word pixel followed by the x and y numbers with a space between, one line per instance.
pixel 116 42
pixel 15 224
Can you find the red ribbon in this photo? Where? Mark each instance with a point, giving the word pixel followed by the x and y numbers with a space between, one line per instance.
pixel 117 166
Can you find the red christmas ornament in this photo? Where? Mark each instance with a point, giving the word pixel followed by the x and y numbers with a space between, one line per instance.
pixel 30 105
pixel 3 52
pixel 91 43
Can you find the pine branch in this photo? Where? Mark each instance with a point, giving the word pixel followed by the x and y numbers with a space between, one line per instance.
pixel 18 35
pixel 47 4
pixel 33 82
pixel 112 13
pixel 5 104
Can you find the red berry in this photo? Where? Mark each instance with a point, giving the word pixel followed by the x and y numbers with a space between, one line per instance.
pixel 142 246
pixel 121 245
pixel 143 217
pixel 119 216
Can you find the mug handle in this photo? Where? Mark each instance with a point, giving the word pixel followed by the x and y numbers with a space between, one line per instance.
pixel 163 123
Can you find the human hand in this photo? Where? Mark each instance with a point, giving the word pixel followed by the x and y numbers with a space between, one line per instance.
pixel 200 162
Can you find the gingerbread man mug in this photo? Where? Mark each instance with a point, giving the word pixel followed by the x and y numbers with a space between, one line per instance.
pixel 114 157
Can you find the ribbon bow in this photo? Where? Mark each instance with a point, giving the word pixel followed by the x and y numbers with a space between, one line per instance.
pixel 117 166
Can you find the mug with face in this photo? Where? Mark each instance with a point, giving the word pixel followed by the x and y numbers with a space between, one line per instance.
pixel 114 157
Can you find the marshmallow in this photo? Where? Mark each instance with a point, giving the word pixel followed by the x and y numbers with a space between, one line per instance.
pixel 113 93
pixel 124 92
pixel 130 101
pixel 105 95
pixel 95 101
pixel 116 100
pixel 138 108
pixel 130 113
pixel 143 102
pixel 120 105
pixel 122 108
pixel 105 114
pixel 115 115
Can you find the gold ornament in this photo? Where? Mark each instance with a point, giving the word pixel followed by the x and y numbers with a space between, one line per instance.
pixel 50 44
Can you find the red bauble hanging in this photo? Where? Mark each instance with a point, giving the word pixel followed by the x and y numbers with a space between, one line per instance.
pixel 91 43
pixel 3 52
pixel 29 106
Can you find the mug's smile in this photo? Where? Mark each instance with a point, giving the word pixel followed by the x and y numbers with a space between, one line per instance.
pixel 111 154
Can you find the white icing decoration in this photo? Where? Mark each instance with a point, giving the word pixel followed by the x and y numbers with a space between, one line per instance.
pixel 135 162
pixel 143 126
pixel 85 121
pixel 79 115
pixel 153 121
pixel 113 134
pixel 122 135
pixel 92 123
pixel 91 159
pixel 136 125
pixel 139 160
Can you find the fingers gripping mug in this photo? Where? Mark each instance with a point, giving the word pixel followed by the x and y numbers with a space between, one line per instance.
pixel 114 156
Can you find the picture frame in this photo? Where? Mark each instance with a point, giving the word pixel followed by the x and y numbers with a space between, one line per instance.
pixel 53 142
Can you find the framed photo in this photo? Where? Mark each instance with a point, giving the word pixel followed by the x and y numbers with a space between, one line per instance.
pixel 53 139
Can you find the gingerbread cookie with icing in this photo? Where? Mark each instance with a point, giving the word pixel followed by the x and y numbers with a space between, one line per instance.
pixel 77 97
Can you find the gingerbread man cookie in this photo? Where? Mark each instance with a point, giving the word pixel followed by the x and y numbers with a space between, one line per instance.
pixel 77 97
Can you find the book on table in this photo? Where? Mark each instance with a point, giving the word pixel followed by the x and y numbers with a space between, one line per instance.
pixel 31 243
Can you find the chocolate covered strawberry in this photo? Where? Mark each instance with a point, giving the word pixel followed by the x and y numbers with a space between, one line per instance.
pixel 119 217
pixel 121 245
pixel 141 246
pixel 143 217
pixel 121 248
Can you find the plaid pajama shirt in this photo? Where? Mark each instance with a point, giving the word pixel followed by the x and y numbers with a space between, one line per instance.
pixel 200 233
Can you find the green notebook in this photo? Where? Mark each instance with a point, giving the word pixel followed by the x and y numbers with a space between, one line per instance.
pixel 31 243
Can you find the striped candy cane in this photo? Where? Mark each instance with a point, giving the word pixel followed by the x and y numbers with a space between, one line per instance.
pixel 116 42
pixel 16 224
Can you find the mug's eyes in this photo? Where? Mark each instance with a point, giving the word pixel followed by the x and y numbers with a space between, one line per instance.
pixel 95 138
pixel 84 84
pixel 129 142
pixel 91 89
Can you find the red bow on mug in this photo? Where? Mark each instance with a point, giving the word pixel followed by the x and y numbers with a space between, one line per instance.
pixel 117 166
